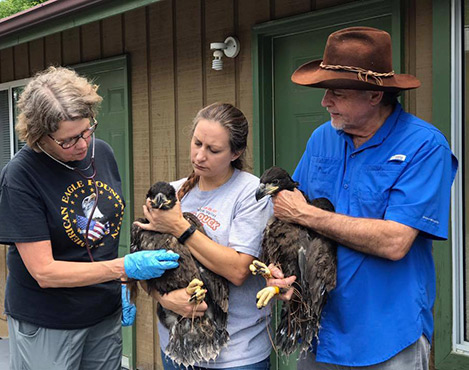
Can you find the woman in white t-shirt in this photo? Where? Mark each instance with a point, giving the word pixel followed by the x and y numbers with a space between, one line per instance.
pixel 222 195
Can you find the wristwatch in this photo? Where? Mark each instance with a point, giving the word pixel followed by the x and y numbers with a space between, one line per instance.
pixel 186 234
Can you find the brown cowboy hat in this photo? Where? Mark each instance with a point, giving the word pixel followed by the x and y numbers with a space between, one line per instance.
pixel 358 58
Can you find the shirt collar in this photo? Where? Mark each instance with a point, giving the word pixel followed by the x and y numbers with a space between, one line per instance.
pixel 380 135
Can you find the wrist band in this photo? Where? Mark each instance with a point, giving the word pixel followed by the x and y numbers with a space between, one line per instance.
pixel 186 234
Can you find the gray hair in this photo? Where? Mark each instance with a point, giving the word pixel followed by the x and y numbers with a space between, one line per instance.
pixel 234 121
pixel 53 95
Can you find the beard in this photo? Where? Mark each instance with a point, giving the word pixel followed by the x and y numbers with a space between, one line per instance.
pixel 338 126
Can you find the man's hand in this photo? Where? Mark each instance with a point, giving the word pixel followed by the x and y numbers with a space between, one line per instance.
pixel 288 204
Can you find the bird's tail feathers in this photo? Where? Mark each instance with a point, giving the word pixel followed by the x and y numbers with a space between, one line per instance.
pixel 287 333
pixel 196 341
pixel 298 326
pixel 132 287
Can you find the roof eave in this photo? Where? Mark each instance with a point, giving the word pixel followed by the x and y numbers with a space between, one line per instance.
pixel 41 13
pixel 56 16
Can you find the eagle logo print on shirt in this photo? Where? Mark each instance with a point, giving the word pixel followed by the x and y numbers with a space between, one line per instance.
pixel 78 202
pixel 97 228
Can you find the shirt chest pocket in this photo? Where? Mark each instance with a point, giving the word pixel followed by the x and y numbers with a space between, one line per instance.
pixel 324 174
pixel 374 185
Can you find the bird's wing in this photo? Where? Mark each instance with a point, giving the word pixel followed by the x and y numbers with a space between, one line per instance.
pixel 172 279
pixel 322 262
pixel 145 240
pixel 280 245
pixel 323 203
pixel 216 285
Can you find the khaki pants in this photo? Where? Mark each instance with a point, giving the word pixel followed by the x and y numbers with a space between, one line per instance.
pixel 98 347
pixel 414 357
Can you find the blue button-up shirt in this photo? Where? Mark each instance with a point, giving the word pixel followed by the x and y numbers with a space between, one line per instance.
pixel 404 174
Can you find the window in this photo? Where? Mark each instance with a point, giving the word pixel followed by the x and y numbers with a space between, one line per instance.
pixel 9 142
pixel 465 135
pixel 5 151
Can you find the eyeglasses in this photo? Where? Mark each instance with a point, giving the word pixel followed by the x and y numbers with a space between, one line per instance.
pixel 68 143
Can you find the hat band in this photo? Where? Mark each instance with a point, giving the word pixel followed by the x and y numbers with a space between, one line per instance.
pixel 362 74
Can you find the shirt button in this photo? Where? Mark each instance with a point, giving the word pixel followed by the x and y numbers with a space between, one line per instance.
pixel 353 156
pixel 345 186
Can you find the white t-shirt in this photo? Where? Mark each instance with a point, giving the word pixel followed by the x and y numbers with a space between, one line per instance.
pixel 232 217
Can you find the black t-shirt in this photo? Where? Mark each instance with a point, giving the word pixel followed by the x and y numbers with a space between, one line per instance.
pixel 41 199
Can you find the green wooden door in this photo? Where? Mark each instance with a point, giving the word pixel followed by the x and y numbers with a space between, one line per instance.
pixel 297 109
pixel 114 128
pixel 286 114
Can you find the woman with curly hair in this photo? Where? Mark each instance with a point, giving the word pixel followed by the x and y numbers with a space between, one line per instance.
pixel 61 208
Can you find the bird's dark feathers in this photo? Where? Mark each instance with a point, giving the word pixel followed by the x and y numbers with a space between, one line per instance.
pixel 195 340
pixel 273 180
pixel 162 187
pixel 162 195
pixel 311 257
pixel 280 177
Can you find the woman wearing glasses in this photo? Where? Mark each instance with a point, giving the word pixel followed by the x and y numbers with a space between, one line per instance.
pixel 61 208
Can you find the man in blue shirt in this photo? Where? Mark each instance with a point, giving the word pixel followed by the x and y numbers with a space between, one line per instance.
pixel 389 175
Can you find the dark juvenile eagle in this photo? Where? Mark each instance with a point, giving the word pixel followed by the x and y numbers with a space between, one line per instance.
pixel 298 251
pixel 191 340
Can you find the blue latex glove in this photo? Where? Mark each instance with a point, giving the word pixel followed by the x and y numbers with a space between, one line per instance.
pixel 146 265
pixel 128 309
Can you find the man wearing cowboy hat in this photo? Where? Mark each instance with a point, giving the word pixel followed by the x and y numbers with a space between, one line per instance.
pixel 389 175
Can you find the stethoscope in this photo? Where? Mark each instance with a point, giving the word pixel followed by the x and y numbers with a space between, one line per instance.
pixel 81 172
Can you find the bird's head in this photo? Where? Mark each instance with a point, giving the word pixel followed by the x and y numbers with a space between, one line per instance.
pixel 88 202
pixel 162 195
pixel 273 180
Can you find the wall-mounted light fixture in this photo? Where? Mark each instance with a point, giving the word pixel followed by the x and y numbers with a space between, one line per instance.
pixel 230 48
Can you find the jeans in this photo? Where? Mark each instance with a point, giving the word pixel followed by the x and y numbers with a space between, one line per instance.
pixel 168 364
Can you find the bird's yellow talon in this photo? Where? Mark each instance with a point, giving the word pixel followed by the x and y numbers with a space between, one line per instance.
pixel 198 296
pixel 257 267
pixel 194 285
pixel 195 290
pixel 265 295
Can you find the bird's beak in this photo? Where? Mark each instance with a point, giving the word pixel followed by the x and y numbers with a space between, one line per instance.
pixel 92 196
pixel 265 189
pixel 159 201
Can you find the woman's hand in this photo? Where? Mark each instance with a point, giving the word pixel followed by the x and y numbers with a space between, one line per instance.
pixel 178 302
pixel 168 221
pixel 280 281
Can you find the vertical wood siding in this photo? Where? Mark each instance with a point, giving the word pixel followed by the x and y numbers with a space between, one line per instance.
pixel 53 50
pixel 72 51
pixel 36 56
pixel 21 56
pixel 171 79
